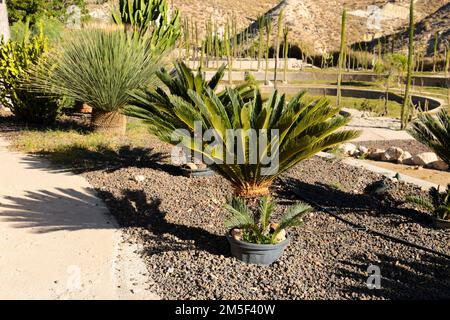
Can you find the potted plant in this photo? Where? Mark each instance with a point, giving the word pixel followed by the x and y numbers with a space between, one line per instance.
pixel 255 238
pixel 439 206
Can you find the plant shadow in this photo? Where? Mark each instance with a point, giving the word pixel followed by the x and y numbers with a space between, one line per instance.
pixel 343 202
pixel 133 209
pixel 427 278
pixel 46 211
pixel 80 159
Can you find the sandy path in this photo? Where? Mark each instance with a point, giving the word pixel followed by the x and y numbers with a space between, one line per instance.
pixel 57 239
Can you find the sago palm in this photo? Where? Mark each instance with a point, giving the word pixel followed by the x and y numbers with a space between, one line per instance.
pixel 440 204
pixel 434 132
pixel 161 108
pixel 284 133
pixel 258 228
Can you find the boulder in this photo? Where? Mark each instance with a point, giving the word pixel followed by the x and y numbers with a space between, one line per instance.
pixel 375 154
pixel 405 157
pixel 425 158
pixel 348 149
pixel 363 150
pixel 438 165
pixel 393 154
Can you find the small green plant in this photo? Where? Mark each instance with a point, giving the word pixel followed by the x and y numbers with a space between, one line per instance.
pixel 439 205
pixel 16 59
pixel 258 228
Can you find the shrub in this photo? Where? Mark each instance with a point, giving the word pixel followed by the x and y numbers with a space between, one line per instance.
pixel 258 228
pixel 34 10
pixel 434 132
pixel 440 204
pixel 101 68
pixel 16 59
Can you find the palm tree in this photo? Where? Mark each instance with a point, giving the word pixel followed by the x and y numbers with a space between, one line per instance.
pixel 291 131
pixel 4 24
pixel 434 132
pixel 160 107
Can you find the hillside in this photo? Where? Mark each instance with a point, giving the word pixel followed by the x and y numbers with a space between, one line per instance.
pixel 316 23
pixel 437 23
pixel 313 23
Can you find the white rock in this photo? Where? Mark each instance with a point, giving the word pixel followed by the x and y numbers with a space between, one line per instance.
pixel 393 154
pixel 363 150
pixel 348 149
pixel 425 158
pixel 406 156
pixel 438 165
pixel 139 178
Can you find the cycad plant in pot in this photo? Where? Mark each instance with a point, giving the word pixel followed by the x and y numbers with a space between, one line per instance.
pixel 253 236
pixel 100 67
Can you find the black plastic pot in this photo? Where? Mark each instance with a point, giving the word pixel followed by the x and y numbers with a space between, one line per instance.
pixel 262 254
pixel 441 224
pixel 198 172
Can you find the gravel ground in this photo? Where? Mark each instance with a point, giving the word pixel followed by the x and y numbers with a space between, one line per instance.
pixel 412 146
pixel 178 221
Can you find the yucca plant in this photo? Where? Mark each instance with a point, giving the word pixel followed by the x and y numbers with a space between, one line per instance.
pixel 439 205
pixel 434 132
pixel 99 67
pixel 258 228
pixel 163 109
pixel 289 132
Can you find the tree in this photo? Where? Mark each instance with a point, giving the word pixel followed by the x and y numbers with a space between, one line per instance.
pixel 268 25
pixel 341 58
pixel 407 99
pixel 4 25
pixel 277 50
pixel 272 136
pixel 392 67
pixel 20 10
pixel 434 132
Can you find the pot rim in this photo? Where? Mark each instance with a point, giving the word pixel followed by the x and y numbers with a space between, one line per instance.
pixel 258 245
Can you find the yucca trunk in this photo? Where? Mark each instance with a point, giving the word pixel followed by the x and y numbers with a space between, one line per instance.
pixel 406 101
pixel 111 122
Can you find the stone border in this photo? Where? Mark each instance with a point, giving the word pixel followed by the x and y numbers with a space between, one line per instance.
pixel 423 184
